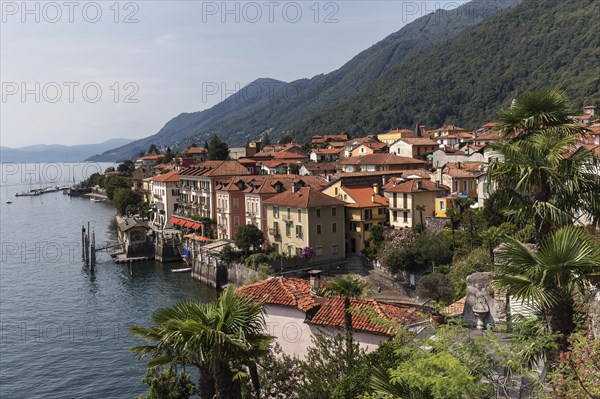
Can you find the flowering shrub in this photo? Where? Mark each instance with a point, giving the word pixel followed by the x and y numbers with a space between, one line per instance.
pixel 576 376
pixel 307 253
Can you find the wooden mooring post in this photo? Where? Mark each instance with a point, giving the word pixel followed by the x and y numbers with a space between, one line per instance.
pixel 88 247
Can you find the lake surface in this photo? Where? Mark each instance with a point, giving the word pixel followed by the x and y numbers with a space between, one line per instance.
pixel 64 330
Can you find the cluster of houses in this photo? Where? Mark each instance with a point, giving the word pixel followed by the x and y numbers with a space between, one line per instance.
pixel 330 196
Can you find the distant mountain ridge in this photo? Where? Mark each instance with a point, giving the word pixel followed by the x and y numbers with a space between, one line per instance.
pixel 283 106
pixel 465 81
pixel 57 152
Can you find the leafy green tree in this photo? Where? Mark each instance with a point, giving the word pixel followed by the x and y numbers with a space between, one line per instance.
pixel 110 169
pixel 114 182
pixel 436 287
pixel 167 384
pixel 285 139
pixel 127 201
pixel 548 278
pixel 153 150
pixel 293 169
pixel 347 286
pixel 476 261
pixel 126 167
pixel 219 338
pixel 217 150
pixel 249 237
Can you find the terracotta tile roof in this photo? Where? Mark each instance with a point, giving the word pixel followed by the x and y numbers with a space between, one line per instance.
pixel 415 186
pixel 419 141
pixel 381 159
pixel 266 184
pixel 325 166
pixel 336 137
pixel 460 173
pixel 336 144
pixel 327 151
pixel 363 195
pixel 465 165
pixel 215 168
pixel 293 292
pixel 487 136
pixel 290 155
pixel 172 176
pixel 365 313
pixel 490 125
pixel 270 150
pixel 407 172
pixel 151 157
pixel 450 128
pixel 457 136
pixel 306 197
pixel 195 150
pixel 272 164
pixel 375 145
pixel 455 309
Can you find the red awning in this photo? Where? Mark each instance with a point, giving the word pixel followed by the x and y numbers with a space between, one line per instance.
pixel 188 224
pixel 174 220
pixel 196 226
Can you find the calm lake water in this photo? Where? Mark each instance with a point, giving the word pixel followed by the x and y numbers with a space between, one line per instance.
pixel 63 330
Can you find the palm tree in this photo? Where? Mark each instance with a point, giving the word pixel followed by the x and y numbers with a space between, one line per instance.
pixel 545 178
pixel 548 277
pixel 347 286
pixel 421 209
pixel 542 110
pixel 547 181
pixel 218 338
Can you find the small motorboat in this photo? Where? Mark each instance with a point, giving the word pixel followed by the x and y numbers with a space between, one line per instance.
pixel 97 199
pixel 184 270
pixel 9 201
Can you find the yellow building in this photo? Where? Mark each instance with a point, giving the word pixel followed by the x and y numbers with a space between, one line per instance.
pixel 461 181
pixel 395 135
pixel 407 197
pixel 442 205
pixel 305 217
pixel 365 207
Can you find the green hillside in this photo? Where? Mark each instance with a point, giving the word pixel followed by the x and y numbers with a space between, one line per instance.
pixel 467 79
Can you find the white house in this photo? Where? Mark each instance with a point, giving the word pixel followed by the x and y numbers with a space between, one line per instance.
pixel 294 314
pixel 165 197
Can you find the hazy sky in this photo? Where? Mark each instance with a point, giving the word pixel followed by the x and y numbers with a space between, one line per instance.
pixel 82 72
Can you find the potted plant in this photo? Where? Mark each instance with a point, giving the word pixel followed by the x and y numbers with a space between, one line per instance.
pixel 436 314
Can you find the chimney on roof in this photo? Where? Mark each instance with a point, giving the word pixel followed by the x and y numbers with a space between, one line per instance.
pixel 375 189
pixel 315 279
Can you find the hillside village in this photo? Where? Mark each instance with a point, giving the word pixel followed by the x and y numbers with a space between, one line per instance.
pixel 406 215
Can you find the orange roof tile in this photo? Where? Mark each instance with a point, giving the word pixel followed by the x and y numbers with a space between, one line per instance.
pixel 381 159
pixel 419 141
pixel 292 292
pixel 151 157
pixel 365 313
pixel 305 197
pixel 195 150
pixel 415 186
pixel 363 195
pixel 172 176
pixel 456 308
